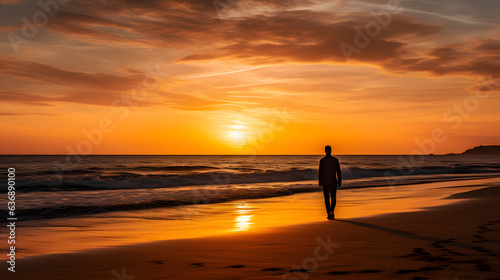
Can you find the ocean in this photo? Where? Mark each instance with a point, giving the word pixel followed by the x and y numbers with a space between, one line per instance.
pixel 60 186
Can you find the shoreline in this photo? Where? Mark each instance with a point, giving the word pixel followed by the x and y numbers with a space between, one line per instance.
pixel 75 234
pixel 453 240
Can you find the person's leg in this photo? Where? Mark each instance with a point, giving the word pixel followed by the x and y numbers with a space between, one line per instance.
pixel 333 192
pixel 326 193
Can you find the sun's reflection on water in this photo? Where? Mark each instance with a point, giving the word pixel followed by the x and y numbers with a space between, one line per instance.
pixel 243 219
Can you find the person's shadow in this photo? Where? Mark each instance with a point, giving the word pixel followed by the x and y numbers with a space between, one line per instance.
pixel 410 235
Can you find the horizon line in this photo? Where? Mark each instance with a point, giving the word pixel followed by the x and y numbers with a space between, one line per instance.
pixel 229 154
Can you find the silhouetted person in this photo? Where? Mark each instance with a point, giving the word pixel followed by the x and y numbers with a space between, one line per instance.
pixel 330 178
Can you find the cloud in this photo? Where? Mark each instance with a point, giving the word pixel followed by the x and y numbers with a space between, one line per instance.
pixel 25 114
pixel 146 23
pixel 303 36
pixel 470 58
pixel 195 102
pixel 52 75
pixel 97 89
pixel 253 32
pixel 18 97
pixel 187 102
pixel 260 32
pixel 489 46
pixel 4 2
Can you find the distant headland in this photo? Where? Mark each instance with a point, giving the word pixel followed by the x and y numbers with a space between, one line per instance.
pixel 482 150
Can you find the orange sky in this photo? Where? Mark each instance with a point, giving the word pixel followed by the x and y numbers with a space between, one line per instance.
pixel 249 76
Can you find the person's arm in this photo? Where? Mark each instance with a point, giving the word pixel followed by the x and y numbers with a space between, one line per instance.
pixel 339 175
pixel 319 175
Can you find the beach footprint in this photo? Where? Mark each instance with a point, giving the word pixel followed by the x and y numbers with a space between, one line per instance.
pixel 370 271
pixel 300 270
pixel 430 268
pixel 236 266
pixel 273 269
pixel 437 244
pixel 405 271
pixel 483 267
pixel 482 250
pixel 338 273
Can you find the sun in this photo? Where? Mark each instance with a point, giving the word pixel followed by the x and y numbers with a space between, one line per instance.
pixel 236 135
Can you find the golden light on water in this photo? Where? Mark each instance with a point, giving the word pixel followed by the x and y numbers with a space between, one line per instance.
pixel 243 220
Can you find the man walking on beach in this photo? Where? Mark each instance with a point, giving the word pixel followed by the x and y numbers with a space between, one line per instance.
pixel 330 178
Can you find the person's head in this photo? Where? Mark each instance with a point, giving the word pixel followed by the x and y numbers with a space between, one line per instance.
pixel 328 150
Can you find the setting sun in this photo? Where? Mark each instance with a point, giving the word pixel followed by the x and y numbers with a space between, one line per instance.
pixel 236 135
